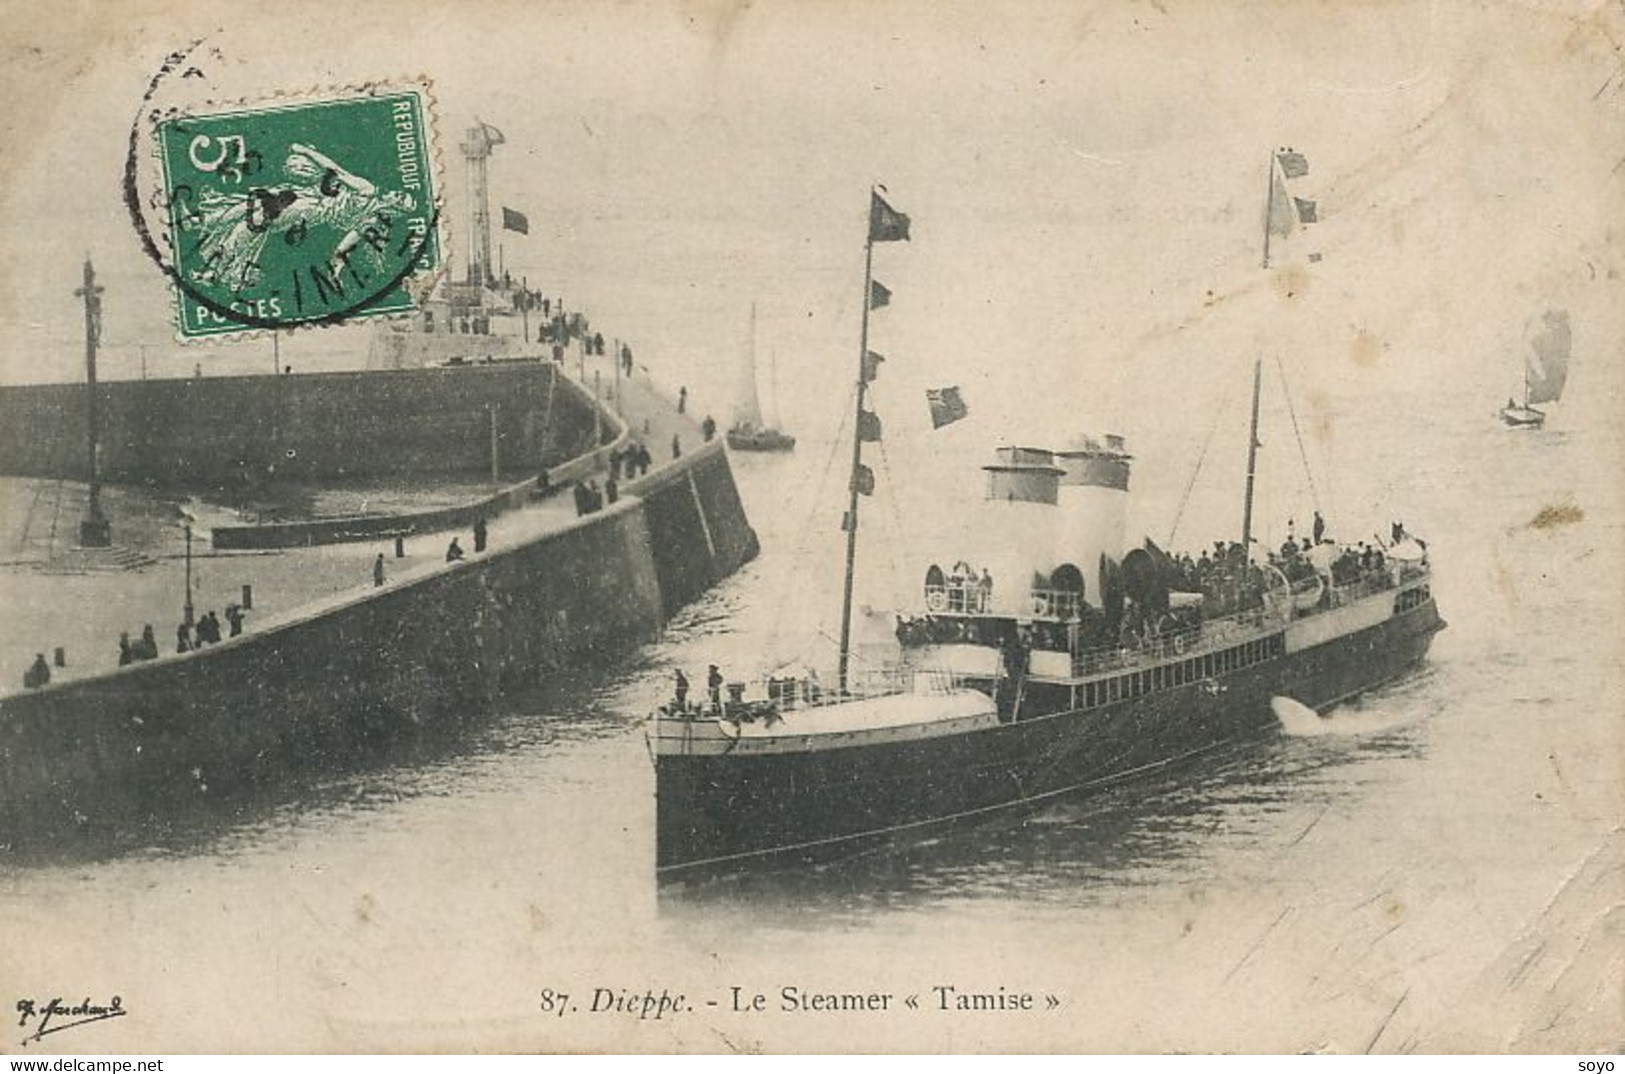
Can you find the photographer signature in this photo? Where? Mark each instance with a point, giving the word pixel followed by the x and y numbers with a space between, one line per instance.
pixel 54 1017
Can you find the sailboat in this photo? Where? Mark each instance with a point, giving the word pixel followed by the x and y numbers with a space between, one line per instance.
pixel 1014 679
pixel 1545 371
pixel 749 432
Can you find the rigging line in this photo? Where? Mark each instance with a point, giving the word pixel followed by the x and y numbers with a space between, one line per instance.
pixel 1286 390
pixel 804 530
pixel 1218 413
pixel 896 520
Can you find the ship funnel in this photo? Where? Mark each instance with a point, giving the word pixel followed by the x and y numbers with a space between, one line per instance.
pixel 1016 540
pixel 1092 506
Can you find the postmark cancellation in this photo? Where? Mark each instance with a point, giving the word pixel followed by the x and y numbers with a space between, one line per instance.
pixel 299 211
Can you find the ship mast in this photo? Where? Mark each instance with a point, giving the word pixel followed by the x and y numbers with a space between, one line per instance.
pixel 1269 209
pixel 885 225
pixel 1252 466
pixel 850 521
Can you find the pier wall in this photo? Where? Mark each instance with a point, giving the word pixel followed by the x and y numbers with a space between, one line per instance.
pixel 304 533
pixel 222 431
pixel 425 650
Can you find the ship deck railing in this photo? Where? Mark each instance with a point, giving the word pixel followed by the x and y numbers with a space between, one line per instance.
pixel 969 597
pixel 1224 631
pixel 1209 634
pixel 972 598
pixel 806 689
pixel 1391 575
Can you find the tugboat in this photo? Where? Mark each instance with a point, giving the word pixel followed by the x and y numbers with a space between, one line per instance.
pixel 1013 681
pixel 749 432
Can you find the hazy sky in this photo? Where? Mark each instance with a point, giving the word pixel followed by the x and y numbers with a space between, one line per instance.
pixel 1087 184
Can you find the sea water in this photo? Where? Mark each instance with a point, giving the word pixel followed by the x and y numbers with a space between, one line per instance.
pixel 1433 865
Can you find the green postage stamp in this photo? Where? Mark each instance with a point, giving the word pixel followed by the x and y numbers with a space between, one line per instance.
pixel 299 212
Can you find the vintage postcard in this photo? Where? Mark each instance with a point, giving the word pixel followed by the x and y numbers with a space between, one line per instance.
pixel 806 527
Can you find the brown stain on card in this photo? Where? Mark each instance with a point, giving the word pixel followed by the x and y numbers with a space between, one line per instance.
pixel 1290 281
pixel 1556 516
pixel 1366 350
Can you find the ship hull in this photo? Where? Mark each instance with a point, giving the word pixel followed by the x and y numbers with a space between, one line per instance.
pixel 732 811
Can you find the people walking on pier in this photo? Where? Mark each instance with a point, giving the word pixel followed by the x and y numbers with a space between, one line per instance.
pixel 454 551
pixel 713 686
pixel 612 489
pixel 479 534
pixel 682 399
pixel 682 691
pixel 147 647
pixel 595 497
pixel 708 428
pixel 38 673
pixel 676 446
pixel 126 655
pixel 378 570
pixel 183 639
pixel 234 616
pixel 208 629
pixel 581 499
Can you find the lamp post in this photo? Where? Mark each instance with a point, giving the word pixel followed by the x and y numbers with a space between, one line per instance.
pixel 187 612
pixel 94 530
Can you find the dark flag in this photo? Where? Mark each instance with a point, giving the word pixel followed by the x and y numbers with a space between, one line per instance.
pixel 871 366
pixel 879 295
pixel 514 221
pixel 863 479
pixel 1293 163
pixel 1287 212
pixel 947 406
pixel 885 223
pixel 868 426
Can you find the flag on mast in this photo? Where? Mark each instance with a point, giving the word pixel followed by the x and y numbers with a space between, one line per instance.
pixel 513 220
pixel 885 223
pixel 947 406
pixel 871 366
pixel 879 295
pixel 1286 211
pixel 868 426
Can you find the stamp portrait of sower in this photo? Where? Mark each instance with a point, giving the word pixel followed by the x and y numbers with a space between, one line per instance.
pixel 298 213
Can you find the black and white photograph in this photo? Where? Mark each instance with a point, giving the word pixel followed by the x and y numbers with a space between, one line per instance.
pixel 813 527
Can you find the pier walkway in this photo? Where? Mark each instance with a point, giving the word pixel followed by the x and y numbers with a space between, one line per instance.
pixel 84 606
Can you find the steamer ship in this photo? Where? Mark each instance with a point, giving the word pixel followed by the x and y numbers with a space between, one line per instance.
pixel 1055 658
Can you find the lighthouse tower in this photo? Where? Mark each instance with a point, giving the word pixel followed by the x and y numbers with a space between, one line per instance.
pixel 1092 506
pixel 478 142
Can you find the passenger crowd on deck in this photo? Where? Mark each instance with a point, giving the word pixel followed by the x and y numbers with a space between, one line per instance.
pixel 1224 577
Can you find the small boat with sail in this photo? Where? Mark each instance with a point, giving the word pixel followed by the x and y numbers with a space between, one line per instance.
pixel 1054 657
pixel 749 431
pixel 1545 371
